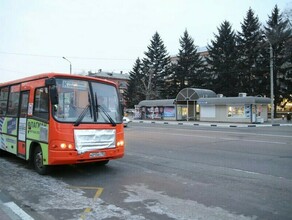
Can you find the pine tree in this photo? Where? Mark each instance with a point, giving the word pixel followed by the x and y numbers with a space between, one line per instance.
pixel 171 82
pixel 155 69
pixel 134 94
pixel 287 15
pixel 278 35
pixel 251 76
pixel 189 67
pixel 223 61
pixel 287 88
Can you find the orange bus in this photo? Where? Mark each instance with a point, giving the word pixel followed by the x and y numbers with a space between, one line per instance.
pixel 53 119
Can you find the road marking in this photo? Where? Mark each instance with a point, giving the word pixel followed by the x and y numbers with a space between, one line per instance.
pixel 18 211
pixel 249 172
pixel 257 141
pixel 228 139
pixel 84 187
pixel 99 191
pixel 254 173
pixel 225 132
pixel 97 194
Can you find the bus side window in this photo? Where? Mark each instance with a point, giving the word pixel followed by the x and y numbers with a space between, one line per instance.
pixel 24 104
pixel 41 103
pixel 3 100
pixel 13 101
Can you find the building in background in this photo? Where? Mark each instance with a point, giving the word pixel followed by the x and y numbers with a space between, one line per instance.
pixel 192 104
pixel 121 79
pixel 202 51
pixel 243 109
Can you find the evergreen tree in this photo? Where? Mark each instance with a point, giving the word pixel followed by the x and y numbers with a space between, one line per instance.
pixel 134 94
pixel 189 67
pixel 287 15
pixel 156 70
pixel 172 82
pixel 287 88
pixel 223 61
pixel 278 35
pixel 252 78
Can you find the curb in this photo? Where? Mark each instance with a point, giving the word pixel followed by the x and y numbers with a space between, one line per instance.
pixel 212 124
pixel 7 214
pixel 11 211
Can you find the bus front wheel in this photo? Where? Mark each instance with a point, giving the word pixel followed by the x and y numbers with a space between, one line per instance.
pixel 38 161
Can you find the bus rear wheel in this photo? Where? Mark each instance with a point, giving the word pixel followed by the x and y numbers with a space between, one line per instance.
pixel 38 162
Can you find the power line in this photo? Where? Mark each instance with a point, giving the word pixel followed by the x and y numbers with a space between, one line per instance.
pixel 72 57
pixel 78 69
pixel 24 54
pixel 9 70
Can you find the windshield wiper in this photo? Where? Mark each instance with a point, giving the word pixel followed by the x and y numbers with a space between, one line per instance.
pixel 90 108
pixel 82 115
pixel 107 115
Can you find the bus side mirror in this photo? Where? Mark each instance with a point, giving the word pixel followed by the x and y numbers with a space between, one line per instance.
pixel 50 82
pixel 122 109
pixel 54 95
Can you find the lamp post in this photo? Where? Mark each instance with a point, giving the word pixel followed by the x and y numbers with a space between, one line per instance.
pixel 269 38
pixel 272 81
pixel 70 64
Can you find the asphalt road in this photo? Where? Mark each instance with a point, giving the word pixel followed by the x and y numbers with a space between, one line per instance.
pixel 168 172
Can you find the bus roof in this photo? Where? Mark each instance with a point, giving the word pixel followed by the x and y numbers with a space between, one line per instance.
pixel 51 75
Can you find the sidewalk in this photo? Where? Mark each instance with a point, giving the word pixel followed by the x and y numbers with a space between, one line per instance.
pixel 277 122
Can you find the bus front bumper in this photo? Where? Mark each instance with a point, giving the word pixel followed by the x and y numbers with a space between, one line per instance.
pixel 72 157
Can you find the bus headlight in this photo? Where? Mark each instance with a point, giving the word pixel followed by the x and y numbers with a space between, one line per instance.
pixel 65 146
pixel 120 143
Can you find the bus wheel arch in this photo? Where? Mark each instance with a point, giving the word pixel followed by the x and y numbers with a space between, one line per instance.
pixel 36 159
pixel 2 153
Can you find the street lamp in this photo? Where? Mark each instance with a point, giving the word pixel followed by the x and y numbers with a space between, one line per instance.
pixel 269 37
pixel 272 81
pixel 70 64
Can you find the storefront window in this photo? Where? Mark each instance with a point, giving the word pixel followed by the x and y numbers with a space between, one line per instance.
pixel 182 112
pixel 236 112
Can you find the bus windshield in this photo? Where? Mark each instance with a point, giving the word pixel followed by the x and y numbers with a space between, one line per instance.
pixel 80 104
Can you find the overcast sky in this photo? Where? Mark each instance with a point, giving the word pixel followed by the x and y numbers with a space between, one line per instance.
pixel 108 34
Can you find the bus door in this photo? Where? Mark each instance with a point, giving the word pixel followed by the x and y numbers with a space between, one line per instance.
pixel 21 146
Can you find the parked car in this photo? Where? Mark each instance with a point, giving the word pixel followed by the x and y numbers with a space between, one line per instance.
pixel 126 121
